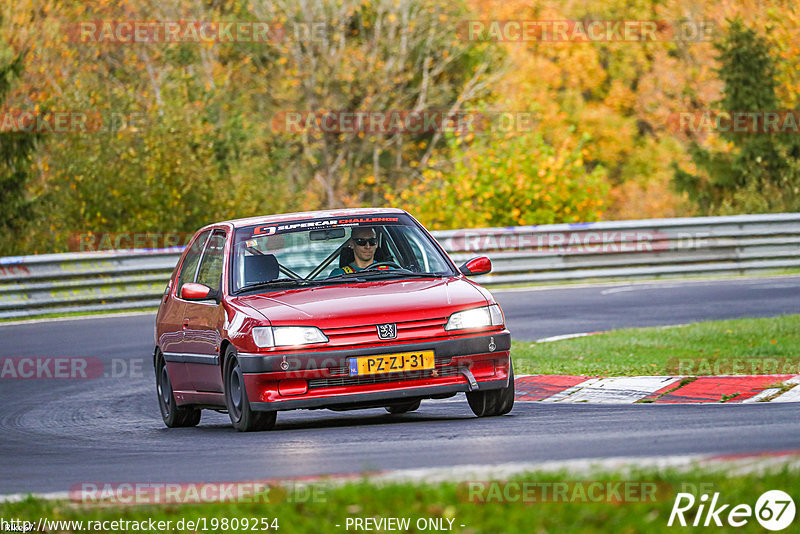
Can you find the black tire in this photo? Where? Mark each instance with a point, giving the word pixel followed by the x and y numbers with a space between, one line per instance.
pixel 173 415
pixel 243 418
pixel 483 403
pixel 403 408
pixel 506 400
pixel 493 402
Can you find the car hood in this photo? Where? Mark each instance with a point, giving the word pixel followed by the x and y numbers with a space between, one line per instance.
pixel 367 303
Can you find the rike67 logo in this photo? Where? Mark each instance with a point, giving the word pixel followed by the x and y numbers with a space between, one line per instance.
pixel 774 510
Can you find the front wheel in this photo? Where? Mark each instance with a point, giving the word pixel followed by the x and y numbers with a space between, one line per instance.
pixel 495 401
pixel 506 400
pixel 244 419
pixel 172 415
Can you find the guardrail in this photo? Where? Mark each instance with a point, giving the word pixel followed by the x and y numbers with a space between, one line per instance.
pixel 653 248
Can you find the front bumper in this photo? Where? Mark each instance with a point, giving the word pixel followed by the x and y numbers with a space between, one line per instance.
pixel 320 379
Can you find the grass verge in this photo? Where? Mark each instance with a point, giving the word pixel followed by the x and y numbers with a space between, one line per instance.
pixel 740 346
pixel 488 508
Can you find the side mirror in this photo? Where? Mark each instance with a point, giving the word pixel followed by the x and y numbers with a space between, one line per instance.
pixel 476 266
pixel 192 291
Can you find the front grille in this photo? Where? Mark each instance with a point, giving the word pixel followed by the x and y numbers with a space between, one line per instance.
pixel 381 379
pixel 417 329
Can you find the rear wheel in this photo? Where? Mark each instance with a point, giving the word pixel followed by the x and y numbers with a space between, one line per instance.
pixel 243 418
pixel 403 408
pixel 495 401
pixel 172 415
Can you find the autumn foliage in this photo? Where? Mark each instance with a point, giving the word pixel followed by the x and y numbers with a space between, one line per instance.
pixel 183 131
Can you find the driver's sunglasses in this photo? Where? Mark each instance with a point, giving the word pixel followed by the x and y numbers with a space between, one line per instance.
pixel 362 241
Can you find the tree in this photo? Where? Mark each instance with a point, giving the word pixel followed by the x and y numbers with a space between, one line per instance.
pixel 509 179
pixel 181 141
pixel 204 147
pixel 16 149
pixel 760 173
pixel 384 56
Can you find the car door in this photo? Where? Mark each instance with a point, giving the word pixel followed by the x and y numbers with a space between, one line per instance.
pixel 202 341
pixel 173 318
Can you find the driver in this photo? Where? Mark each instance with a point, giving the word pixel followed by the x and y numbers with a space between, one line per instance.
pixel 364 242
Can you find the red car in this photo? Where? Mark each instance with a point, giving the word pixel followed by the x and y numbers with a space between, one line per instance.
pixel 343 309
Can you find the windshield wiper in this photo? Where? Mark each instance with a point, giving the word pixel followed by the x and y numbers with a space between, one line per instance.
pixel 360 276
pixel 346 277
pixel 280 282
pixel 401 272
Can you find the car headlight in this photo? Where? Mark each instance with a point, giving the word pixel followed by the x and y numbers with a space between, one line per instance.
pixel 476 318
pixel 286 336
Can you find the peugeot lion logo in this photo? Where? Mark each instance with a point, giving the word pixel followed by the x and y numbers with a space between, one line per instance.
pixel 387 331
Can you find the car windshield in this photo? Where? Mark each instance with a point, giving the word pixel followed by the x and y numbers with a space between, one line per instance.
pixel 336 250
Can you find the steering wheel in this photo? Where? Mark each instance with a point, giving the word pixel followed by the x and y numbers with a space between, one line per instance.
pixel 374 266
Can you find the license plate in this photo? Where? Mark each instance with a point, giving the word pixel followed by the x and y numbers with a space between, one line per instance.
pixel 392 363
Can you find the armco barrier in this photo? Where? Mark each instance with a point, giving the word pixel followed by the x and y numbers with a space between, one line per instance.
pixel 654 248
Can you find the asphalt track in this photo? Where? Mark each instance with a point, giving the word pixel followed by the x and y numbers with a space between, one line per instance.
pixel 57 433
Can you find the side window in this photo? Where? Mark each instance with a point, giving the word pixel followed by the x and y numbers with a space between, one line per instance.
pixel 189 267
pixel 210 271
pixel 427 260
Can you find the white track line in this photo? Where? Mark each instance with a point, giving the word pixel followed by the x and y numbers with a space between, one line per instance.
pixel 763 395
pixel 562 337
pixel 571 390
pixel 614 390
pixel 793 395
